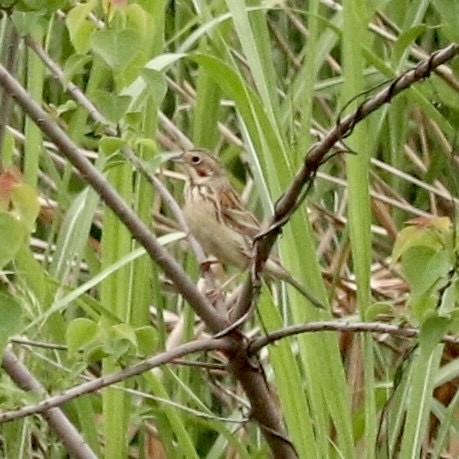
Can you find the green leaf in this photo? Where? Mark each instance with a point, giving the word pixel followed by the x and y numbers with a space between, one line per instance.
pixel 117 48
pixel 125 332
pixel 12 237
pixel 432 331
pixel 113 107
pixel 423 304
pixel 110 145
pixel 140 20
pixel 406 39
pixel 67 106
pixel 147 339
pixel 43 6
pixel 155 83
pixel 423 267
pixel 134 120
pixel 25 200
pixel 414 236
pixel 80 333
pixel 80 29
pixel 7 150
pixel 378 309
pixel 449 12
pixel 11 313
pixel 27 23
pixel 74 65
pixel 148 144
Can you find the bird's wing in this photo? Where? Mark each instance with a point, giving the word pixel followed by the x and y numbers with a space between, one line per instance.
pixel 236 216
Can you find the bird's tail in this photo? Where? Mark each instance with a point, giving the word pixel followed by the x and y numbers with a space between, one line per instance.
pixel 274 269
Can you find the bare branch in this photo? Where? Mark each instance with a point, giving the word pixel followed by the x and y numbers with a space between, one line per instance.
pixel 264 410
pixel 210 344
pixel 109 130
pixel 128 217
pixel 57 420
pixel 354 327
pixel 289 200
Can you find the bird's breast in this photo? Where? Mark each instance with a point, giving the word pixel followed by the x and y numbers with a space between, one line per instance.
pixel 216 238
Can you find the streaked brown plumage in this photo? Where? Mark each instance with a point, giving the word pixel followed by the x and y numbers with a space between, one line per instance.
pixel 218 220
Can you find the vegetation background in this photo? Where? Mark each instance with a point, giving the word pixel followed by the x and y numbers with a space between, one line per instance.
pixel 258 83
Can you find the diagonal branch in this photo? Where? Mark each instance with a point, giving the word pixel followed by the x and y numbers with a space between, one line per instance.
pixel 55 417
pixel 263 408
pixel 210 344
pixel 79 97
pixel 290 199
pixel 128 217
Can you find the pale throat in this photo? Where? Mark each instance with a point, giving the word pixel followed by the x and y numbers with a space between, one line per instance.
pixel 198 189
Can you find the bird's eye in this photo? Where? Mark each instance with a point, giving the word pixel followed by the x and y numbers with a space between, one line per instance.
pixel 195 159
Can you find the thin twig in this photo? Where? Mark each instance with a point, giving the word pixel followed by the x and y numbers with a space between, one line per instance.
pixel 110 130
pixel 287 203
pixel 210 344
pixel 108 194
pixel 263 408
pixel 354 327
pixel 58 422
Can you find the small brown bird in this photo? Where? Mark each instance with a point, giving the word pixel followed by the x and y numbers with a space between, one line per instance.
pixel 218 220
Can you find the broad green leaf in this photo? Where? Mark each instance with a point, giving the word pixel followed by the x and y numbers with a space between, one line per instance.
pixel 80 333
pixel 422 304
pixel 148 144
pixel 147 340
pixel 124 331
pixel 423 267
pixel 67 106
pixel 414 236
pixel 12 236
pixel 42 6
pixel 75 65
pixel 26 205
pixel 155 84
pixel 377 309
pixel 117 48
pixel 121 341
pixel 29 22
pixel 11 314
pixel 79 27
pixel 141 21
pixel 432 331
pixel 449 12
pixel 111 145
pixel 112 106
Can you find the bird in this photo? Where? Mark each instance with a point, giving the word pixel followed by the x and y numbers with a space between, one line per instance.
pixel 219 221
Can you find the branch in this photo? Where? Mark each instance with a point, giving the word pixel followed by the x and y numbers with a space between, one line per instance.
pixel 210 344
pixel 366 327
pixel 137 163
pixel 290 199
pixel 264 409
pixel 57 420
pixel 128 217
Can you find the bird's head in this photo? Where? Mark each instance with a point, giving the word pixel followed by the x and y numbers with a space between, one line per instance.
pixel 201 166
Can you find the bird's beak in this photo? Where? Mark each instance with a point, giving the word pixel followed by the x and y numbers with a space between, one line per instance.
pixel 176 156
